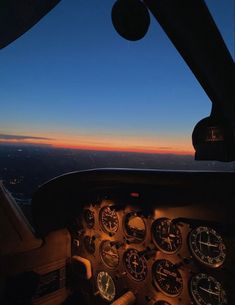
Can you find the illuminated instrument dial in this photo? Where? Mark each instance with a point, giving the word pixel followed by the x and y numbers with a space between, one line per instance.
pixel 109 219
pixel 166 235
pixel 106 286
pixel 135 226
pixel 89 243
pixel 167 278
pixel 207 246
pixel 109 254
pixel 135 264
pixel 206 290
pixel 89 218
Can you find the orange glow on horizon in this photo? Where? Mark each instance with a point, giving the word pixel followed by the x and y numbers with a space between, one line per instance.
pixel 147 150
pixel 126 146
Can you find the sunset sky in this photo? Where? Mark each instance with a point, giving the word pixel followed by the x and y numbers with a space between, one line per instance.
pixel 71 81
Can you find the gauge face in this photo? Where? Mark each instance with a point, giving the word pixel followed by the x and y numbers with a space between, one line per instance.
pixel 135 264
pixel 109 254
pixel 166 235
pixel 89 218
pixel 135 226
pixel 109 219
pixel 206 290
pixel 89 243
pixel 106 286
pixel 207 246
pixel 167 278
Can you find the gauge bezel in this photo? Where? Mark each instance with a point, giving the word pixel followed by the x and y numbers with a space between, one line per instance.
pixel 101 293
pixel 195 296
pixel 155 281
pixel 153 229
pixel 145 266
pixel 103 260
pixel 199 258
pixel 137 239
pixel 104 227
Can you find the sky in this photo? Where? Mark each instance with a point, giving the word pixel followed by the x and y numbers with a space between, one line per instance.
pixel 71 81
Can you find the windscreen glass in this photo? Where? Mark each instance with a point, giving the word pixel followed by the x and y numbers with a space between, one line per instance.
pixel 75 95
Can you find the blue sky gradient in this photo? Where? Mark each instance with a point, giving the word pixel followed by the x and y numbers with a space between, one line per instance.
pixel 72 76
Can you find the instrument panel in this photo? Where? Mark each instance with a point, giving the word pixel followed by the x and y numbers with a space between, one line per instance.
pixel 163 256
pixel 144 237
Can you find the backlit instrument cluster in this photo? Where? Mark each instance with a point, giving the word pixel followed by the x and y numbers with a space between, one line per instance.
pixel 161 260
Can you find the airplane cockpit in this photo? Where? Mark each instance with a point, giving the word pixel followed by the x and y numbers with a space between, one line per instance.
pixel 123 236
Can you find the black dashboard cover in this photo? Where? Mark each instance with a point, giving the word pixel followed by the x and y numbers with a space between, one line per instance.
pixel 56 202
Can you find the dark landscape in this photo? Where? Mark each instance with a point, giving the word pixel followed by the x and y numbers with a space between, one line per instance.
pixel 23 168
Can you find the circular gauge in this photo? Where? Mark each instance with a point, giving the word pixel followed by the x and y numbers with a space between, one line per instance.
pixel 207 246
pixel 135 264
pixel 89 218
pixel 89 243
pixel 166 235
pixel 106 286
pixel 167 278
pixel 162 303
pixel 109 254
pixel 134 226
pixel 206 290
pixel 109 219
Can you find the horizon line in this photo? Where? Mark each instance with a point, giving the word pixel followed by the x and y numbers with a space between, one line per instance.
pixel 162 151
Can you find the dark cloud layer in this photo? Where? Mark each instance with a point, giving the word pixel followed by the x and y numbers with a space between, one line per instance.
pixel 21 137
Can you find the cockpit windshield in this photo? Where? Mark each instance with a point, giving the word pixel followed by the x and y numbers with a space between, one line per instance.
pixel 75 95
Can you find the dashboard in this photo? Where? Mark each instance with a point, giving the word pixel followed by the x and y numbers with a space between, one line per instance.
pixel 150 238
pixel 157 256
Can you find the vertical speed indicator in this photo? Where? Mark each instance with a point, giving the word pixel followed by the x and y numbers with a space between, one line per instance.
pixel 166 235
pixel 167 278
pixel 207 246
pixel 135 264
pixel 205 290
